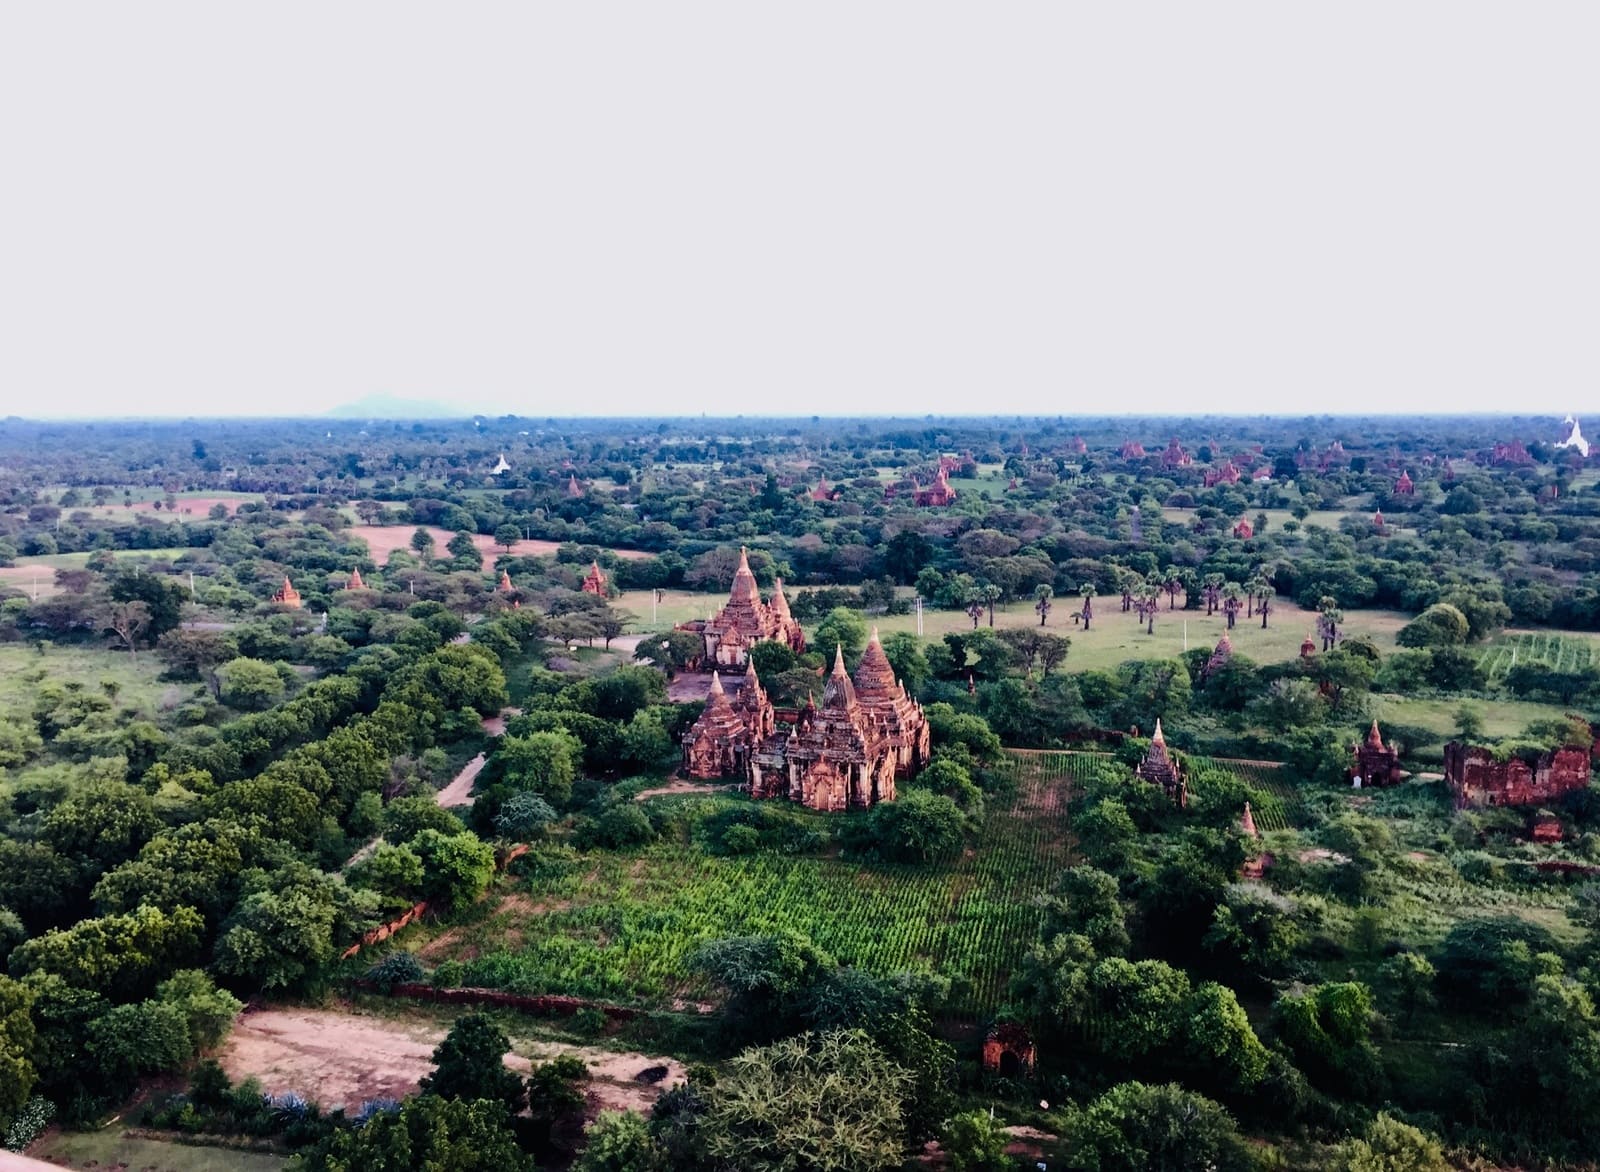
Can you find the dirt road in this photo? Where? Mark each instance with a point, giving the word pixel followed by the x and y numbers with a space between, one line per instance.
pixel 340 1059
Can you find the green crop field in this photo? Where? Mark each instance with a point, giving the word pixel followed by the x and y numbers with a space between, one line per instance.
pixel 622 926
pixel 1560 650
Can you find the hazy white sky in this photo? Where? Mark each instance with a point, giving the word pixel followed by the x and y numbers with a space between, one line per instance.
pixel 805 208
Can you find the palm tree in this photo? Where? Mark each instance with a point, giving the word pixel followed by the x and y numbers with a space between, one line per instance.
pixel 1150 601
pixel 1088 591
pixel 1042 595
pixel 1127 582
pixel 1232 599
pixel 1173 584
pixel 991 595
pixel 1329 616
pixel 974 610
pixel 1212 585
pixel 1266 594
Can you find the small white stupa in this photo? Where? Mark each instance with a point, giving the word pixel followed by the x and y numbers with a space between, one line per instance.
pixel 501 466
pixel 1573 437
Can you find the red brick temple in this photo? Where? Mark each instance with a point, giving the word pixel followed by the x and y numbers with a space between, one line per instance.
pixel 822 492
pixel 1476 779
pixel 1131 450
pixel 287 595
pixel 843 754
pixel 1175 456
pixel 574 489
pixel 938 494
pixel 355 582
pixel 1376 763
pixel 1244 531
pixel 594 582
pixel 1159 768
pixel 1404 485
pixel 1219 657
pixel 505 583
pixel 1227 474
pixel 745 620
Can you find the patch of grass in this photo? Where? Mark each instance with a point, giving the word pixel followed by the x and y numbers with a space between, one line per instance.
pixel 109 1148
pixel 1501 717
pixel 139 688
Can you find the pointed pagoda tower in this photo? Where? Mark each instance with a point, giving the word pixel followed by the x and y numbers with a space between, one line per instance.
pixel 745 620
pixel 717 743
pixel 355 582
pixel 594 581
pixel 1159 768
pixel 287 595
pixel 1376 763
pixel 885 698
pixel 505 583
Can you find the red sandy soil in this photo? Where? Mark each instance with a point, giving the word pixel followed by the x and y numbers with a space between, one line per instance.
pixel 194 506
pixel 340 1059
pixel 23 578
pixel 383 540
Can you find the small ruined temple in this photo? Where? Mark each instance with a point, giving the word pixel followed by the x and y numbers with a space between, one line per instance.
pixel 1256 867
pixel 938 494
pixel 1175 456
pixel 1476 779
pixel 1377 520
pixel 822 492
pixel 1308 647
pixel 1376 763
pixel 1404 485
pixel 594 582
pixel 1131 450
pixel 287 595
pixel 505 583
pixel 1009 1051
pixel 745 620
pixel 845 753
pixel 355 582
pixel 1244 531
pixel 1220 656
pixel 1227 474
pixel 1159 768
pixel 574 489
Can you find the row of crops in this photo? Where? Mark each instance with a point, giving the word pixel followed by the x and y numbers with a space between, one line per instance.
pixel 1561 652
pixel 623 926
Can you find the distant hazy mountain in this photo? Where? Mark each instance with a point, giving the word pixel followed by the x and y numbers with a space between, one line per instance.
pixel 394 407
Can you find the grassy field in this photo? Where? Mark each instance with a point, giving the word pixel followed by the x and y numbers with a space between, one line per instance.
pixel 1114 637
pixel 138 687
pixel 109 1148
pixel 1500 717
pixel 37 575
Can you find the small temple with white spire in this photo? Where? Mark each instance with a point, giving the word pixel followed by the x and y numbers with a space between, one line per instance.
pixel 843 754
pixel 744 621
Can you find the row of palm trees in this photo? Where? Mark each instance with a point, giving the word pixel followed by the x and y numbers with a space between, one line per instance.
pixel 1142 595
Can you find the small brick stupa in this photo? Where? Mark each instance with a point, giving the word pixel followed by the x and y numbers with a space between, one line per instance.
pixel 1159 768
pixel 574 489
pixel 1376 763
pixel 594 582
pixel 1219 657
pixel 355 582
pixel 287 595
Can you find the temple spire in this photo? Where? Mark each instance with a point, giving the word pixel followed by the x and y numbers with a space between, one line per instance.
pixel 1158 739
pixel 838 660
pixel 716 684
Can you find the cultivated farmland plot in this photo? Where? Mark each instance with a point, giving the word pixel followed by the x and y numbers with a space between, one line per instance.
pixel 622 926
pixel 1553 649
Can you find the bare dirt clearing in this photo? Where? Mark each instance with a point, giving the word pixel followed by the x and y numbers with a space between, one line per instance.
pixel 383 540
pixel 340 1059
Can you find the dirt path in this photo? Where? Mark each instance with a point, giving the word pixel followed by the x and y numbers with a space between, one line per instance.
pixel 382 540
pixel 680 786
pixel 340 1059
pixel 459 791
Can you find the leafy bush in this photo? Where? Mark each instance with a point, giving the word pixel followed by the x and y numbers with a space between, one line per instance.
pixel 398 968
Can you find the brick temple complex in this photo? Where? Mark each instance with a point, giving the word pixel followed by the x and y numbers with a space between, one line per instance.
pixel 1475 778
pixel 745 621
pixel 845 753
pixel 287 595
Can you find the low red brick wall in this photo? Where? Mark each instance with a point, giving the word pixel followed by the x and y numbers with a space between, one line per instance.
pixel 384 931
pixel 547 1003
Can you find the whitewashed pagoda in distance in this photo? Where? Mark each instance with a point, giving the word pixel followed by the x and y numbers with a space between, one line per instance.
pixel 1572 437
pixel 501 466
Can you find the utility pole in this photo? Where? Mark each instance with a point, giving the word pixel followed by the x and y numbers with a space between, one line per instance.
pixel 919 616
